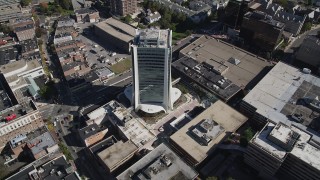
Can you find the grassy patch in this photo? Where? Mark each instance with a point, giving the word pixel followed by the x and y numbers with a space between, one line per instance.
pixel 65 151
pixel 50 126
pixel 121 66
pixel 177 36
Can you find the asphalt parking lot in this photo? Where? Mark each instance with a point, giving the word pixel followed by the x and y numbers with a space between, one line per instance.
pixel 98 52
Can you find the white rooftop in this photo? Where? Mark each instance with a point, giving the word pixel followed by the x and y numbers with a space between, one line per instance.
pixel 133 129
pixel 136 132
pixel 261 140
pixel 302 149
pixel 276 89
pixel 306 151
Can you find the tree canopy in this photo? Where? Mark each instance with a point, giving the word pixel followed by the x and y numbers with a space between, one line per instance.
pixel 25 2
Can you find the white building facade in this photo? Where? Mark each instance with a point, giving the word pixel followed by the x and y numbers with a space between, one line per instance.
pixel 152 56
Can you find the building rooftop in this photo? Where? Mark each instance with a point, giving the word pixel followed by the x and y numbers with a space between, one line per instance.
pixel 41 143
pixel 263 17
pixel 24 138
pixel 8 53
pixel 5 101
pixel 131 127
pixel 102 145
pixel 276 138
pixel 263 142
pixel 293 23
pixel 19 65
pixel 87 10
pixel 224 117
pixel 153 38
pixel 57 168
pixel 8 2
pixel 104 72
pixel 88 131
pixel 65 22
pixel 9 11
pixel 239 66
pixel 204 74
pixel 113 156
pixel 286 91
pixel 14 112
pixel 161 163
pixel 117 29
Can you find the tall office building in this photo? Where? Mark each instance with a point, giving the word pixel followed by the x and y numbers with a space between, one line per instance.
pixel 151 58
pixel 123 7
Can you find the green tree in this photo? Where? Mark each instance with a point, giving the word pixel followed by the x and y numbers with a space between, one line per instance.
pixel 127 18
pixel 65 4
pixel 212 178
pixel 43 8
pixel 46 92
pixel 25 2
pixel 306 27
pixel 5 29
pixel 283 3
pixel 188 32
pixel 246 136
pixel 38 32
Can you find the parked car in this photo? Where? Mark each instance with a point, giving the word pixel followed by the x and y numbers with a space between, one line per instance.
pixel 297 117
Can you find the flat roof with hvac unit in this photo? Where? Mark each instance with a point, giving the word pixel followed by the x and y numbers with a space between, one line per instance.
pixel 239 66
pixel 204 75
pixel 288 95
pixel 160 164
pixel 201 135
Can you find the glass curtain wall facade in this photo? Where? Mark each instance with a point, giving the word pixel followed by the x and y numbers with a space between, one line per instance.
pixel 151 54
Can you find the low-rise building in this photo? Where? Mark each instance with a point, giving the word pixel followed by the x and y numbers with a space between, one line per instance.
pixel 65 21
pixel 104 74
pixel 129 128
pixel 88 14
pixel 29 49
pixel 23 28
pixel 19 119
pixel 10 10
pixel 64 34
pixel 57 168
pixel 225 66
pixel 309 51
pixel 42 145
pixel 283 149
pixel 153 17
pixel 17 75
pixel 196 140
pixel 161 163
pixel 112 30
pixel 200 13
pixel 8 53
pixel 91 134
pixel 116 155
